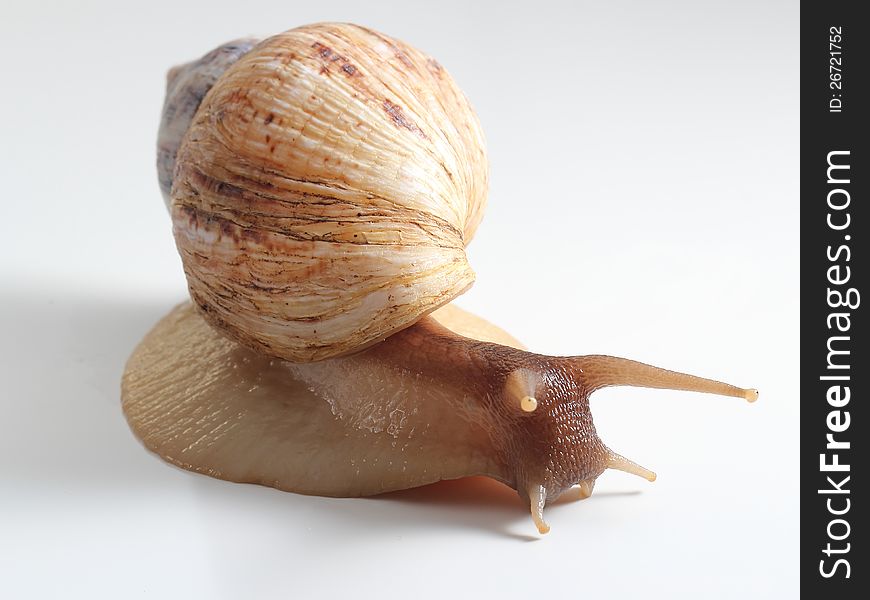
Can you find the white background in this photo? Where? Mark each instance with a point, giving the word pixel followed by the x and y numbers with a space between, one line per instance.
pixel 644 203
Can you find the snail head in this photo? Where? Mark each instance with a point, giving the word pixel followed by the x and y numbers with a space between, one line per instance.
pixel 552 444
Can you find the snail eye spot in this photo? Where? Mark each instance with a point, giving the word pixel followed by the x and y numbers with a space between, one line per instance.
pixel 528 403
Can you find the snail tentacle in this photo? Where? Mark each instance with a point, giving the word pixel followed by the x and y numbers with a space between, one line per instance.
pixel 620 463
pixel 599 371
pixel 537 500
pixel 585 488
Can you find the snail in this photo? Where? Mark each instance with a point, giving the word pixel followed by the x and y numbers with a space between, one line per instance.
pixel 323 185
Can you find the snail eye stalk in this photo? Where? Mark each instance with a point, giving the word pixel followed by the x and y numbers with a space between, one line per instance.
pixel 599 371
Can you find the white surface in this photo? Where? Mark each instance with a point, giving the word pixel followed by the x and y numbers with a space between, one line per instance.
pixel 644 203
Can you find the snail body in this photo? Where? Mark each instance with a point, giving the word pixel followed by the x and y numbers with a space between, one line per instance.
pixel 323 185
pixel 351 426
pixel 424 405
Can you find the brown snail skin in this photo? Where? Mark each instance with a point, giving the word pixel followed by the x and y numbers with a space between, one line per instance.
pixel 424 393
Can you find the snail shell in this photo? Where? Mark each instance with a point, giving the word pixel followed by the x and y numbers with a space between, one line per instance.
pixel 325 191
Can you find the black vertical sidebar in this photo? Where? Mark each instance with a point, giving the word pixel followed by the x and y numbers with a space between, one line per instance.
pixel 835 364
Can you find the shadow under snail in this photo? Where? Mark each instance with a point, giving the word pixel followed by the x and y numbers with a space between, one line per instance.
pixel 323 184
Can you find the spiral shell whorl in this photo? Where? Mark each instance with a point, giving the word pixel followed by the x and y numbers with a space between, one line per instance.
pixel 186 86
pixel 325 191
